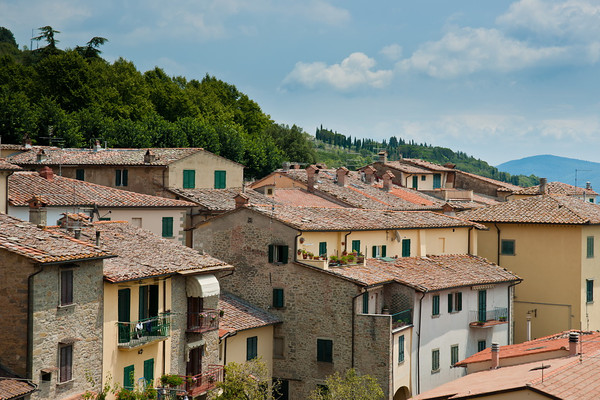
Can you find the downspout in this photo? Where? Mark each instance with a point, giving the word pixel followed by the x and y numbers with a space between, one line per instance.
pixel 30 294
pixel 510 320
pixel 469 241
pixel 164 342
pixel 346 241
pixel 498 245
pixel 419 344
pixel 296 246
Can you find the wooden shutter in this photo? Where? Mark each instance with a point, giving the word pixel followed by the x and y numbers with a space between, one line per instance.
pixel 437 181
pixel 66 287
pixel 271 253
pixel 167 227
pixel 406 248
pixel 374 251
pixel 125 177
pixel 66 363
pixel 383 250
pixel 415 182
pixel 153 301
pixel 220 179
pixel 143 302
pixel 365 307
pixel 149 371
pixel 278 298
pixel 482 305
pixel 283 251
pixel 458 301
pixel 128 377
pixel 117 177
pixel 356 246
pixel 401 348
pixel 322 248
pixel 590 246
pixel 251 348
pixel 450 302
pixel 80 174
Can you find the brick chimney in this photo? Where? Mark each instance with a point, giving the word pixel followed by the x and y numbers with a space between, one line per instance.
pixel 573 342
pixel 149 157
pixel 369 174
pixel 543 186
pixel 382 156
pixel 387 180
pixel 37 211
pixel 241 200
pixel 341 173
pixel 311 171
pixel 47 173
pixel 495 355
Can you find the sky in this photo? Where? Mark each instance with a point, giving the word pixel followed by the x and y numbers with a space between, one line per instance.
pixel 499 80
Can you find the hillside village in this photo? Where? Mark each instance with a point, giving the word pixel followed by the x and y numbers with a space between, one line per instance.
pixel 130 266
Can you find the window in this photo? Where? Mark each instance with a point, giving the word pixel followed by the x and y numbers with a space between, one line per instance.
pixel 189 179
pixel 435 305
pixel 507 247
pixel 323 249
pixel 454 302
pixel 400 348
pixel 66 363
pixel 220 179
pixel 124 310
pixel 80 174
pixel 278 298
pixel 590 247
pixel 450 302
pixel 423 177
pixel 356 246
pixel 379 251
pixel 435 360
pixel 481 345
pixel 482 306
pixel 589 289
pixel 121 177
pixel 365 303
pixel 415 182
pixel 167 227
pixel 148 305
pixel 128 377
pixel 66 287
pixel 137 222
pixel 325 350
pixel 278 254
pixel 251 348
pixel 453 354
pixel 406 248
pixel 437 181
pixel 149 371
pixel 278 347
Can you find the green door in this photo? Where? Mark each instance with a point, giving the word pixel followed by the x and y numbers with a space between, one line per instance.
pixel 124 316
pixel 128 377
pixel 482 305
pixel 149 371
pixel 356 246
pixel 406 248
pixel 415 184
pixel 437 181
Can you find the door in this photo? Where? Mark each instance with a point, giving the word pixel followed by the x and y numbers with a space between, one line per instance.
pixel 194 366
pixel 437 181
pixel 195 305
pixel 124 314
pixel 415 182
pixel 481 306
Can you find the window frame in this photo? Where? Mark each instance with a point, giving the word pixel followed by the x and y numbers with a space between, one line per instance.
pixel 278 253
pixel 121 177
pixel 589 290
pixel 65 362
pixel 435 360
pixel 454 354
pixel 80 174
pixel 401 345
pixel 325 350
pixel 356 246
pixel 322 249
pixel 435 305
pixel 220 181
pixel 590 247
pixel 278 298
pixel 167 227
pixel 66 280
pixel 406 243
pixel 481 345
pixel 251 348
pixel 189 178
pixel 510 251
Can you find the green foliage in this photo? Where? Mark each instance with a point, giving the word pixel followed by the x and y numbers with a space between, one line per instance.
pixel 171 380
pixel 351 386
pixel 248 381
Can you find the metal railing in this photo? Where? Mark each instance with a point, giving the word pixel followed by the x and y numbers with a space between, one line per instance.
pixel 483 316
pixel 203 321
pixel 198 384
pixel 402 318
pixel 140 332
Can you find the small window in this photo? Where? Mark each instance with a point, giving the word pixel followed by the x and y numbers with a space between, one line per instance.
pixel 66 287
pixel 167 227
pixel 453 354
pixel 423 177
pixel 325 350
pixel 356 246
pixel 365 303
pixel 507 247
pixel 121 177
pixel 80 174
pixel 278 347
pixel 435 305
pixel 435 360
pixel 590 247
pixel 189 179
pixel 278 254
pixel 128 377
pixel 322 249
pixel 458 301
pixel 220 179
pixel 278 301
pixel 450 302
pixel 415 182
pixel 406 248
pixel 400 348
pixel 66 363
pixel 481 345
pixel 379 251
pixel 589 286
pixel 251 348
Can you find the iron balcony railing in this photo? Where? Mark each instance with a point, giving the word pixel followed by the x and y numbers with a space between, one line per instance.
pixel 203 321
pixel 482 316
pixel 402 318
pixel 197 385
pixel 137 333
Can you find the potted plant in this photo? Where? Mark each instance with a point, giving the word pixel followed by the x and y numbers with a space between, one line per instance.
pixel 333 260
pixel 304 254
pixel 310 255
pixel 171 380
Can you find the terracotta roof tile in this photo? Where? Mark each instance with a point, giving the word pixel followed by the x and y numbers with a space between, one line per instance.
pixel 502 186
pixel 557 188
pixel 62 191
pixel 220 199
pixel 238 315
pixel 428 273
pixel 43 245
pixel 15 388
pixel 300 198
pixel 5 165
pixel 538 210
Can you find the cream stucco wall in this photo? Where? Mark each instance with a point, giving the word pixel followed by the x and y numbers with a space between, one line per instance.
pixel 426 184
pixel 3 191
pixel 235 350
pixel 205 164
pixel 114 359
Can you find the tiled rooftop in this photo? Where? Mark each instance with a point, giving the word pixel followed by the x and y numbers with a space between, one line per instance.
pixel 5 165
pixel 62 191
pixel 557 188
pixel 239 315
pixel 43 245
pixel 336 219
pixel 142 254
pixel 538 210
pixel 407 168
pixel 14 388
pixel 220 199
pixel 301 198
pixel 503 186
pixel 428 273
pixel 427 164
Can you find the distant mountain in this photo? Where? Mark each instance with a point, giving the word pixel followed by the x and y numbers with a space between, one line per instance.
pixel 556 168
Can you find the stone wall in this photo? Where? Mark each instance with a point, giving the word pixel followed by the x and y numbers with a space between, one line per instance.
pixel 467 182
pixel 373 349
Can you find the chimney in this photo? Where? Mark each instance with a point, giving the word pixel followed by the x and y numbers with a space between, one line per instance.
pixel 77 232
pixel 387 180
pixel 382 156
pixel 450 165
pixel 285 165
pixel 369 174
pixel 97 146
pixel 341 173
pixel 241 200
pixel 149 157
pixel 41 156
pixel 573 342
pixel 543 186
pixel 98 238
pixel 311 170
pixel 588 185
pixel 495 355
pixel 37 211
pixel 47 173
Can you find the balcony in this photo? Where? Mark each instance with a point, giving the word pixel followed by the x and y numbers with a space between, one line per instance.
pixel 489 318
pixel 139 333
pixel 401 318
pixel 203 321
pixel 199 384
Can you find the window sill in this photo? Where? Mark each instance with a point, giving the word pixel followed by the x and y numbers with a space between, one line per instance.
pixel 435 316
pixel 435 371
pixel 66 306
pixel 65 382
pixel 278 308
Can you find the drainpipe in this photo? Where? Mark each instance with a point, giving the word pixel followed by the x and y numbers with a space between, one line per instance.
pixel 30 294
pixel 498 245
pixel 296 246
pixel 419 343
pixel 510 320
pixel 469 241
pixel 346 241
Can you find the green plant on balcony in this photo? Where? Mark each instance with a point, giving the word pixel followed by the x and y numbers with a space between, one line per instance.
pixel 171 380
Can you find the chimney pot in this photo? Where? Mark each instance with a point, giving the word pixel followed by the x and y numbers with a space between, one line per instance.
pixel 341 176
pixel 98 238
pixel 387 181
pixel 573 342
pixel 495 355
pixel 240 200
pixel 41 156
pixel 37 211
pixel 588 185
pixel 97 146
pixel 47 173
pixel 369 174
pixel 543 186
pixel 382 156
pixel 311 170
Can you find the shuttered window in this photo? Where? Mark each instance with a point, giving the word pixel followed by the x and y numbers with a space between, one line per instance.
pixel 365 301
pixel 356 246
pixel 590 247
pixel 458 301
pixel 435 360
pixel 401 348
pixel 437 181
pixel 507 247
pixel 189 179
pixel 149 371
pixel 121 177
pixel 325 350
pixel 167 227
pixel 251 348
pixel 435 305
pixel 406 248
pixel 589 286
pixel 278 300
pixel 415 182
pixel 124 314
pixel 80 174
pixel 481 345
pixel 128 377
pixel 450 302
pixel 66 363
pixel 278 254
pixel 322 249
pixel 453 354
pixel 66 287
pixel 220 179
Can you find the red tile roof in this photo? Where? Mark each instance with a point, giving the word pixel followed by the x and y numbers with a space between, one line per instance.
pixel 502 186
pixel 239 315
pixel 301 198
pixel 557 188
pixel 538 210
pixel 62 191
pixel 428 273
pixel 13 388
pixel 44 245
pixel 6 166
pixel 219 199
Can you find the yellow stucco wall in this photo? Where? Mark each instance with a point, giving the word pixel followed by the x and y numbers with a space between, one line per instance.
pixel 151 219
pixel 277 180
pixel 590 270
pixel 236 346
pixel 426 184
pixel 205 164
pixel 401 370
pixel 114 359
pixel 549 259
pixel 3 194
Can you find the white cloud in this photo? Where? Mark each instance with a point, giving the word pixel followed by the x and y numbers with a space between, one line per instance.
pixel 354 71
pixel 392 51
pixel 41 13
pixel 468 50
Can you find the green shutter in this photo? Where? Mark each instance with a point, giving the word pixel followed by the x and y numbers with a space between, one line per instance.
pixel 149 371
pixel 271 253
pixel 459 301
pixel 481 345
pixel 283 251
pixel 356 246
pixel 322 249
pixel 589 285
pixel 167 227
pixel 189 179
pixel 482 305
pixel 128 377
pixel 453 354
pixel 125 177
pixel 450 302
pixel 143 304
pixel 435 360
pixel 435 305
pixel 117 177
pixel 415 180
pixel 437 181
pixel 374 251
pixel 383 250
pixel 401 348
pixel 251 348
pixel 365 298
pixel 278 298
pixel 220 179
pixel 80 174
pixel 153 301
pixel 590 247
pixel 406 248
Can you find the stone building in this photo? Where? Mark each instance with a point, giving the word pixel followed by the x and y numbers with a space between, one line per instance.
pixel 52 306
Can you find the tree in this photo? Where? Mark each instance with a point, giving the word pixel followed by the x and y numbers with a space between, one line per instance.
pixel 349 387
pixel 248 381
pixel 47 34
pixel 91 50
